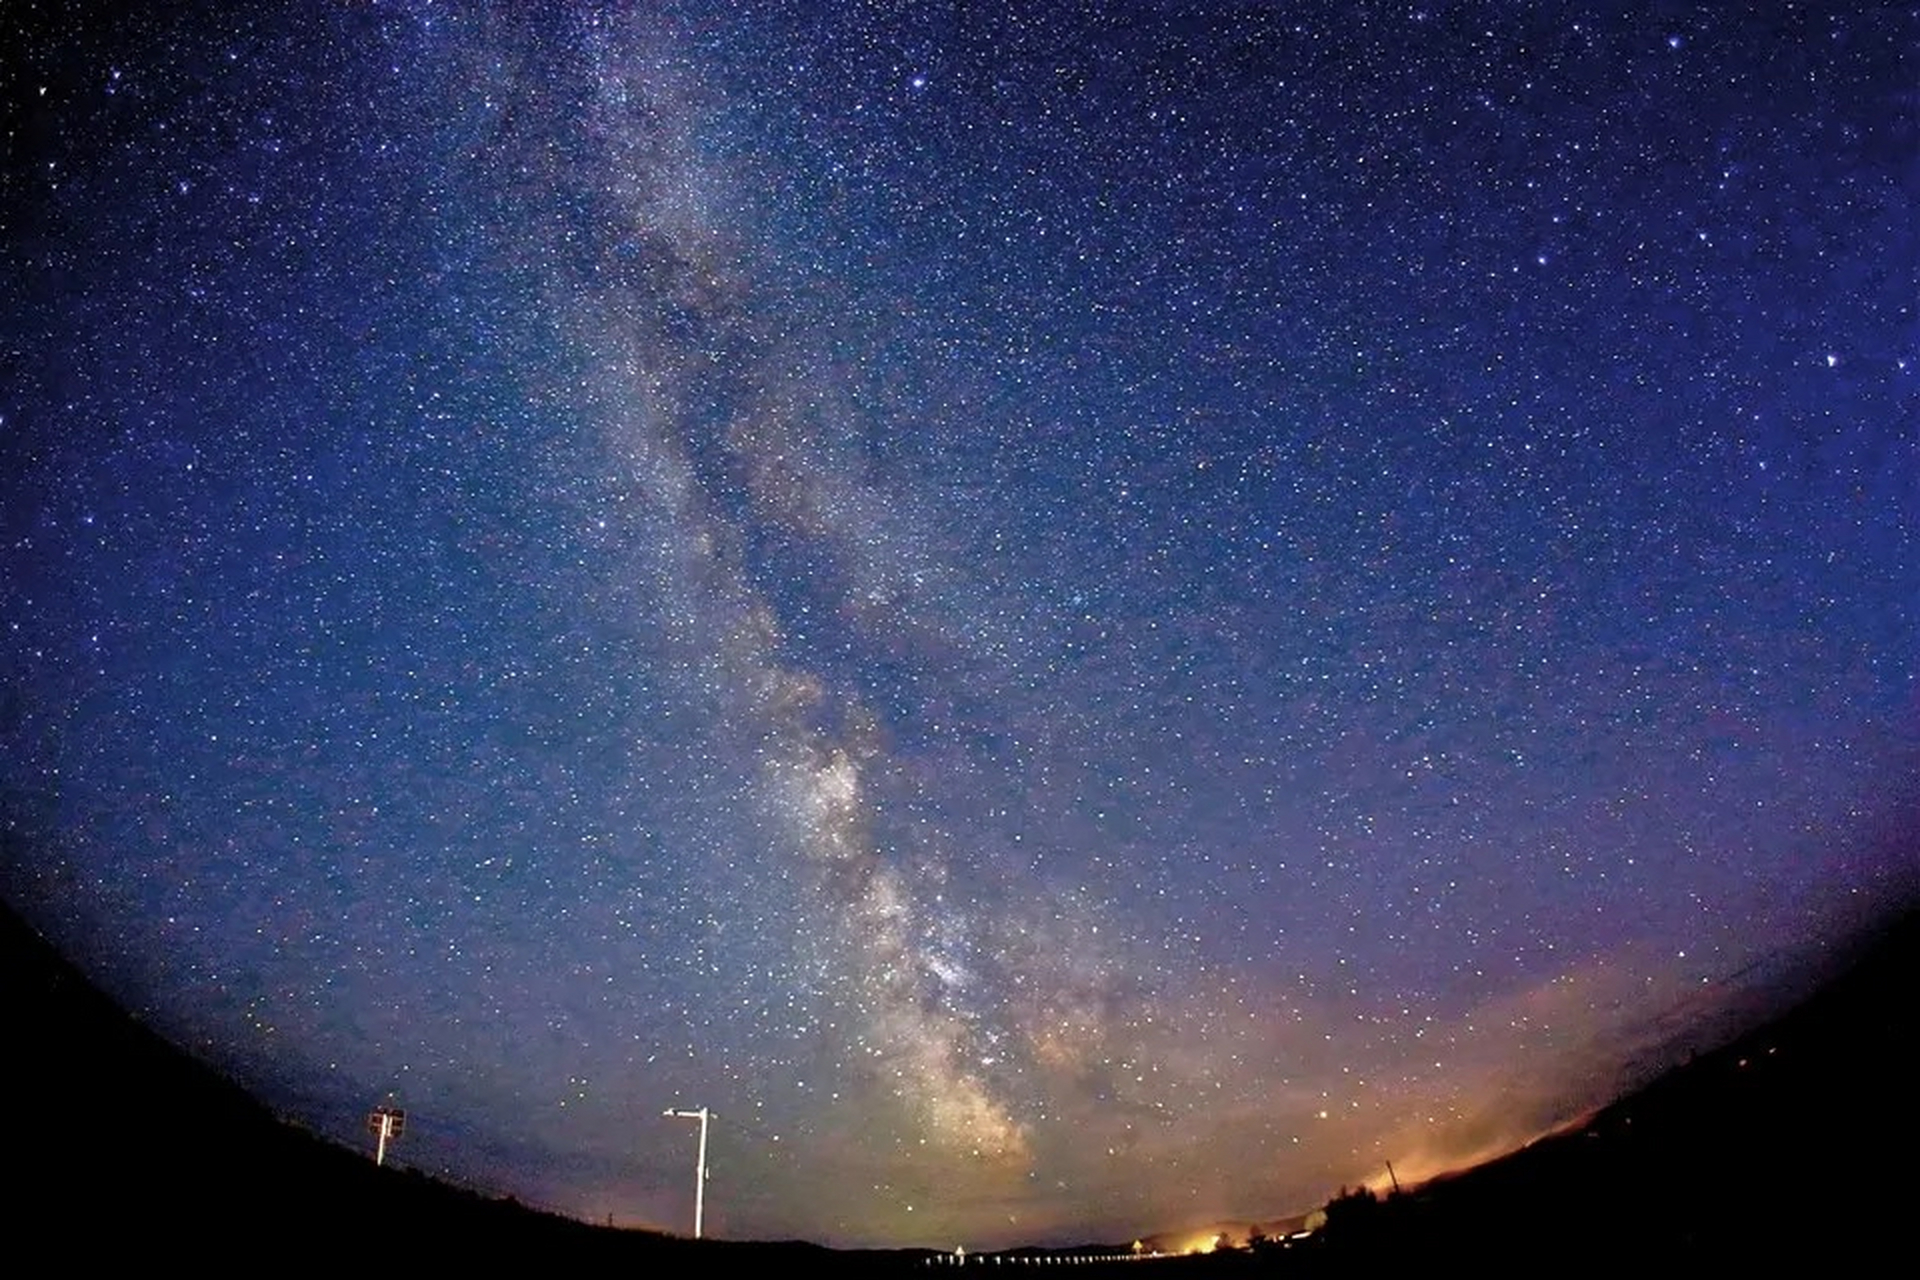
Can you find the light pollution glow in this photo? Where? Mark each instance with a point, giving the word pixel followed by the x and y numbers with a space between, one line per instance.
pixel 1070 638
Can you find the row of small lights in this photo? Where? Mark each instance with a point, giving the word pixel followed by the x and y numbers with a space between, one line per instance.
pixel 1049 1259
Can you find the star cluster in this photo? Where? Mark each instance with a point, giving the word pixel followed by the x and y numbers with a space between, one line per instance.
pixel 1079 619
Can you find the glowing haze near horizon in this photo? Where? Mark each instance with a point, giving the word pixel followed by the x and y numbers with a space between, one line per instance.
pixel 1081 622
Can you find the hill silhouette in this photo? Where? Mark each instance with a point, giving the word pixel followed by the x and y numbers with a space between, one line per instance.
pixel 1793 1141
pixel 122 1147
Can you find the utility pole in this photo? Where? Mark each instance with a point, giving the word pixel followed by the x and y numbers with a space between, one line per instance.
pixel 386 1123
pixel 700 1167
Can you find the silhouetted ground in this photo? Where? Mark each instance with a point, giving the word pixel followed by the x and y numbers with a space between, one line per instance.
pixel 121 1148
pixel 1793 1145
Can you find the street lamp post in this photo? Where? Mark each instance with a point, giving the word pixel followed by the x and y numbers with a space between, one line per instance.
pixel 700 1167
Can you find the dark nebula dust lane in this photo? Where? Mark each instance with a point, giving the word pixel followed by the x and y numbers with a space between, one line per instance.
pixel 1079 621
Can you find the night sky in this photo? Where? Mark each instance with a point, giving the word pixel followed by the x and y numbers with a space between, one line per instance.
pixel 1082 621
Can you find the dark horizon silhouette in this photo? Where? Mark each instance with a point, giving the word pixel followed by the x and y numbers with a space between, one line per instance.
pixel 1075 618
pixel 126 1146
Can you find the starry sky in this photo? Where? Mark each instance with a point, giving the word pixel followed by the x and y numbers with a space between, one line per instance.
pixel 1079 618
